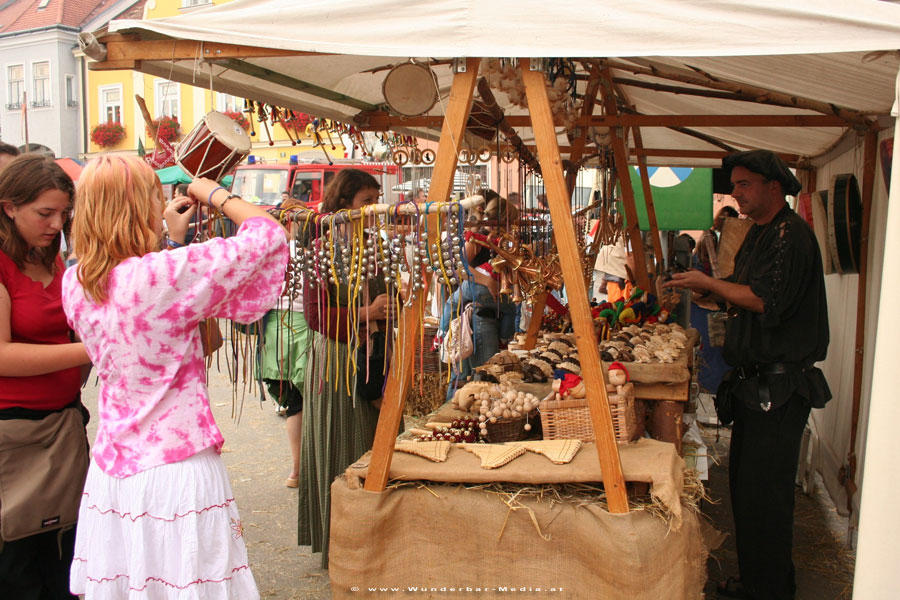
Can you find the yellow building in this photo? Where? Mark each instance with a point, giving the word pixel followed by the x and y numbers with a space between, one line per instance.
pixel 110 97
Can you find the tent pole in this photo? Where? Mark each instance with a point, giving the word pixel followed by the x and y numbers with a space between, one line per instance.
pixel 648 202
pixel 622 172
pixel 403 359
pixel 586 339
pixel 870 152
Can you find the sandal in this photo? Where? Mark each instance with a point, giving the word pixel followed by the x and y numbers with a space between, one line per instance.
pixel 292 482
pixel 731 588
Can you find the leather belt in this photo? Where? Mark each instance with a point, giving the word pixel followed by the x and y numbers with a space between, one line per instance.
pixel 767 369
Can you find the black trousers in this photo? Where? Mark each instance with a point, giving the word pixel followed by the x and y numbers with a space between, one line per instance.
pixel 37 567
pixel 765 449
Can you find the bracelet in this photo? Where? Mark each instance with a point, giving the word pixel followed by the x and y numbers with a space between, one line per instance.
pixel 173 244
pixel 211 194
pixel 230 196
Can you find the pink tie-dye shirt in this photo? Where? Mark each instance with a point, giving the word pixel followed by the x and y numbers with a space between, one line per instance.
pixel 145 346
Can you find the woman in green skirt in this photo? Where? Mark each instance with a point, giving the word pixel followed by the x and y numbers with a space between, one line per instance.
pixel 339 423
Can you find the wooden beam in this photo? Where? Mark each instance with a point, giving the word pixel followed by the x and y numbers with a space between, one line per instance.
pixel 129 49
pixel 648 202
pixel 271 76
pixel 624 175
pixel 645 188
pixel 489 103
pixel 578 144
pixel 747 92
pixel 458 106
pixel 585 337
pixel 538 304
pixel 380 121
pixel 870 152
pixel 115 65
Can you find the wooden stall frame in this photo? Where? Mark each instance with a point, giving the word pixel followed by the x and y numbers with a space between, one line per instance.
pixel 585 338
pixel 398 380
pixel 621 156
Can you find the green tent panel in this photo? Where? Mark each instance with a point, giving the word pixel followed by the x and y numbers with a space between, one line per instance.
pixel 174 175
pixel 682 198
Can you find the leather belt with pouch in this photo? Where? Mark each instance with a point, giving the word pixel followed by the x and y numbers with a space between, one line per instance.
pixel 760 371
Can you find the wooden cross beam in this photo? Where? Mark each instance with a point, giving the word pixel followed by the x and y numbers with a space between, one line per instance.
pixel 403 359
pixel 579 309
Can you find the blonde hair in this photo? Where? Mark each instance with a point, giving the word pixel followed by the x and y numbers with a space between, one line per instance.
pixel 118 206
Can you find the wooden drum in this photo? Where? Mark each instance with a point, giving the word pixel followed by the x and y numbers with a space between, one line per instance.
pixel 213 148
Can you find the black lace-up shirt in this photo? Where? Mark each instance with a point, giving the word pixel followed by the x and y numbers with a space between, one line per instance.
pixel 781 263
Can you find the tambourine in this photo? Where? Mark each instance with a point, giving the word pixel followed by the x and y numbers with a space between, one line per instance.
pixel 213 148
pixel 409 89
pixel 845 223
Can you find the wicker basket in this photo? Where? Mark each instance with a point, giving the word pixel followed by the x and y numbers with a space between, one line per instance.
pixel 431 359
pixel 513 430
pixel 570 418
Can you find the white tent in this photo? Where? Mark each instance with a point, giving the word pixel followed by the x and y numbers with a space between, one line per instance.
pixel 700 77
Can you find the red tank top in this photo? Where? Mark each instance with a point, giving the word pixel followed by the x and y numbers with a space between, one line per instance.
pixel 36 317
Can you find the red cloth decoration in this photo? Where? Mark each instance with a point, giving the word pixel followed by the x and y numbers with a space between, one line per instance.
pixel 620 366
pixel 568 382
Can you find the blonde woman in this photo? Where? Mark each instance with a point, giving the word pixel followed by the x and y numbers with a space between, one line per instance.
pixel 158 513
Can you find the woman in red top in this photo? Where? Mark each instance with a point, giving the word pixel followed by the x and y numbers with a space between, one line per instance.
pixel 39 364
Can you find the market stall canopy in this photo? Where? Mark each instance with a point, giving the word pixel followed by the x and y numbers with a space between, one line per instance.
pixel 700 78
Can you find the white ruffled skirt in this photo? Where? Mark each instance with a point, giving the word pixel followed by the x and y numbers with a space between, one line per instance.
pixel 171 532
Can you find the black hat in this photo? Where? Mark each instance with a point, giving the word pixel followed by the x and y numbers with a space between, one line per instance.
pixel 766 163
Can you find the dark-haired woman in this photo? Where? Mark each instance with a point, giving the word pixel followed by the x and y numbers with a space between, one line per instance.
pixel 39 382
pixel 338 424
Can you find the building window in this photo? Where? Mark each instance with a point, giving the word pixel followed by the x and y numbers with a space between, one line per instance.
pixel 111 104
pixel 16 78
pixel 71 97
pixel 40 74
pixel 167 99
pixel 190 3
pixel 229 103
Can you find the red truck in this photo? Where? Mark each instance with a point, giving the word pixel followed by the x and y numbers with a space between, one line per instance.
pixel 262 184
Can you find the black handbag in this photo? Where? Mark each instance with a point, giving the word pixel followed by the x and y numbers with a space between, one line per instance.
pixel 724 399
pixel 370 369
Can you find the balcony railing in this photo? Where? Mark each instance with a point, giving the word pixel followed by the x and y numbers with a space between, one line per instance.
pixel 40 103
pixel 13 106
pixel 71 102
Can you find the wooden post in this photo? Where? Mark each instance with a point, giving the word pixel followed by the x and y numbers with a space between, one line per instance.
pixel 538 303
pixel 585 338
pixel 621 154
pixel 648 201
pixel 587 109
pixel 870 151
pixel 403 359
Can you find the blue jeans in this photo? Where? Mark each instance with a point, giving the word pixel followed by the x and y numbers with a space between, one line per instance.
pixel 489 325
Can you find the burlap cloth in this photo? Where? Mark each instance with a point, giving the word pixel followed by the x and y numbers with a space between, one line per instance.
pixel 646 460
pixel 445 541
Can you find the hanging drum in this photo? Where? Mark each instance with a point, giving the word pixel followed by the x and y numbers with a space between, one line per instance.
pixel 409 89
pixel 844 223
pixel 213 148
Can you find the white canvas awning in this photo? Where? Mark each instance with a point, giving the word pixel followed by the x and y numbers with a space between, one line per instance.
pixel 834 52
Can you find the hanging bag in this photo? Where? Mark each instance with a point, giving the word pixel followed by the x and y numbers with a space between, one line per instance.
pixel 458 344
pixel 43 465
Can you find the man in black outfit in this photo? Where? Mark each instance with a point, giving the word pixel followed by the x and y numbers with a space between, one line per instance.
pixel 777 329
